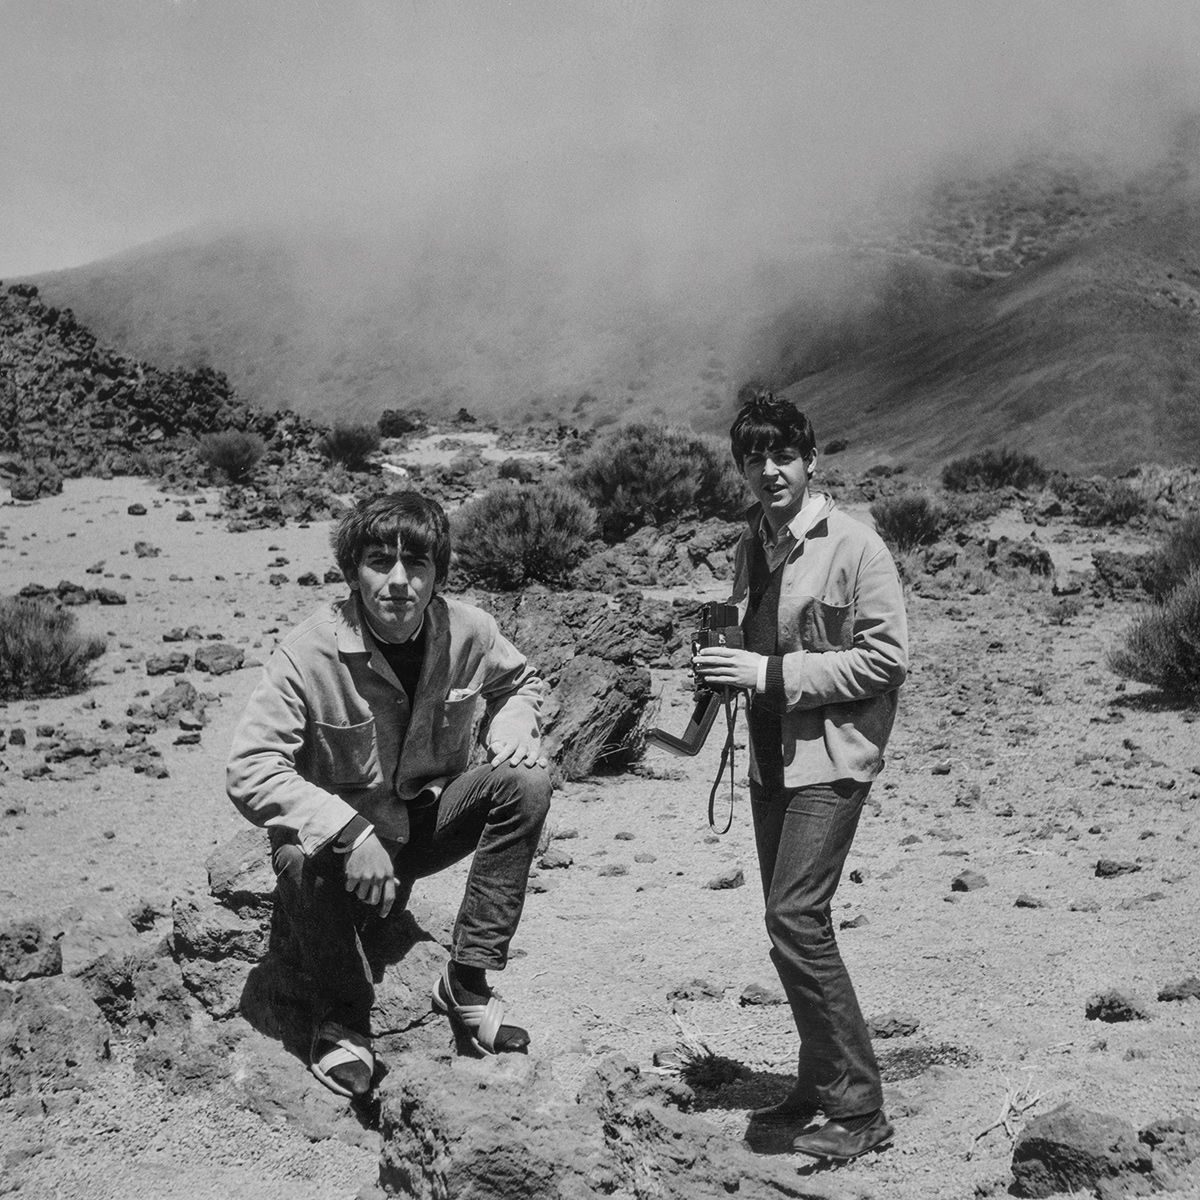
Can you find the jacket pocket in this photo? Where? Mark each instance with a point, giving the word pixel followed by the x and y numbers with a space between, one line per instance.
pixel 458 717
pixel 346 755
pixel 827 627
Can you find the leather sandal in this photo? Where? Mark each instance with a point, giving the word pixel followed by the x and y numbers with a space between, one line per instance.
pixel 345 1047
pixel 481 1024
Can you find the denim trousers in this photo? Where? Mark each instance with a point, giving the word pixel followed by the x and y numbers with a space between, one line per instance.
pixel 495 812
pixel 803 836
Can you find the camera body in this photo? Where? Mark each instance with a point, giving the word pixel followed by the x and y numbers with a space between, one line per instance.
pixel 718 626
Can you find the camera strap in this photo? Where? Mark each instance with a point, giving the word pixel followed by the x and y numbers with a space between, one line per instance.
pixel 730 703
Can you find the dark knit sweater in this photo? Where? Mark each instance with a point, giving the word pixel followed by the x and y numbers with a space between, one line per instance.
pixel 760 628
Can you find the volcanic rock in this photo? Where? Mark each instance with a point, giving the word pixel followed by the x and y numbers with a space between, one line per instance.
pixel 28 950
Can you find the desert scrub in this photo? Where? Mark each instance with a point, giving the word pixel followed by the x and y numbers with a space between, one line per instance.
pixel 642 475
pixel 41 651
pixel 349 445
pixel 1175 559
pixel 908 520
pixel 993 469
pixel 1100 501
pixel 234 453
pixel 514 535
pixel 1162 648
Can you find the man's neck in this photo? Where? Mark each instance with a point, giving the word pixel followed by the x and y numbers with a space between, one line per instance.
pixel 777 521
pixel 387 641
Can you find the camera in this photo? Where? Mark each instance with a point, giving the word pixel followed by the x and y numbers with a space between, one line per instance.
pixel 718 627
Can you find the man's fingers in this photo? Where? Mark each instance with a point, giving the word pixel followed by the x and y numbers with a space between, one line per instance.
pixel 388 898
pixel 502 752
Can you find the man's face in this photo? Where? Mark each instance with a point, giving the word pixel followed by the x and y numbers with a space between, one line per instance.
pixel 395 586
pixel 778 480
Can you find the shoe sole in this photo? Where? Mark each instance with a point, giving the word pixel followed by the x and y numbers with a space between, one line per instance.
pixel 845 1158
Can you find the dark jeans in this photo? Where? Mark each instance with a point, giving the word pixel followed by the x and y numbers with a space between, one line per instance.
pixel 497 813
pixel 803 836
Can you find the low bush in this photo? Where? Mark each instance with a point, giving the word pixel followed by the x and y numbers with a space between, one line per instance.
pixel 1176 559
pixel 233 452
pixel 1100 501
pixel 514 535
pixel 349 445
pixel 41 651
pixel 1163 647
pixel 908 520
pixel 642 475
pixel 992 469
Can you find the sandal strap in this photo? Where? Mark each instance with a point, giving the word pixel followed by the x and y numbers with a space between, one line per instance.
pixel 348 1046
pixel 483 1020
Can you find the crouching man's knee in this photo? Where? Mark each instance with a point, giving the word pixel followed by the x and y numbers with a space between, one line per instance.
pixel 527 789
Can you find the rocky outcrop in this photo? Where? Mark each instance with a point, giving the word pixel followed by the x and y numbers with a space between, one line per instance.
pixel 498 1129
pixel 593 649
pixel 1071 1149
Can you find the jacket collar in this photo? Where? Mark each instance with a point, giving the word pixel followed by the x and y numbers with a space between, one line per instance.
pixel 353 637
pixel 755 516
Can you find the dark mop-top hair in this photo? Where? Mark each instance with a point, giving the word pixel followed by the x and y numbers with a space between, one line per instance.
pixel 765 422
pixel 407 519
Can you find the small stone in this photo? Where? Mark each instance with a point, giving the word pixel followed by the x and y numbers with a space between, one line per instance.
pixel 696 989
pixel 754 994
pixel 893 1024
pixel 1185 989
pixel 731 877
pixel 1025 900
pixel 968 881
pixel 613 869
pixel 1109 868
pixel 645 857
pixel 219 658
pixel 555 860
pixel 942 768
pixel 1114 1006
pixel 136 510
pixel 855 922
pixel 623 836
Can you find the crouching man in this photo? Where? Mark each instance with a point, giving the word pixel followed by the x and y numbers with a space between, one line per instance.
pixel 826 652
pixel 354 752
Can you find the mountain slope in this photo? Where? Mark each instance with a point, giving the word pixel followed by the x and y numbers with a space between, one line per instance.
pixel 1089 359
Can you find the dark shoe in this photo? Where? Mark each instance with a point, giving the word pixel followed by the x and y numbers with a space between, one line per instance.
pixel 837 1141
pixel 800 1105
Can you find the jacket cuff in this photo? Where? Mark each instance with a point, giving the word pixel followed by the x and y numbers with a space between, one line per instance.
pixel 774 685
pixel 354 829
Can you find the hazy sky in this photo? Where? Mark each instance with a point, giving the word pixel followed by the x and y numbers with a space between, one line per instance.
pixel 694 120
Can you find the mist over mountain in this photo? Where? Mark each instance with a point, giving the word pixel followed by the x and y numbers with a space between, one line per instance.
pixel 1049 302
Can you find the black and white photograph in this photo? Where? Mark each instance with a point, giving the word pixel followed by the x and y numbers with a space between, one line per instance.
pixel 599 598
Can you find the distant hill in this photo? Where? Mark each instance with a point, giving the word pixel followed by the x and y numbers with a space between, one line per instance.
pixel 1089 359
pixel 1048 308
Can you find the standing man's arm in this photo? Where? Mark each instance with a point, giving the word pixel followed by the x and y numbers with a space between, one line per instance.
pixel 877 660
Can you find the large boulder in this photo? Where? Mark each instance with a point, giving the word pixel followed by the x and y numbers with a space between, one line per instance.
pixel 593 649
pixel 501 1128
pixel 1070 1149
pixel 53 1038
pixel 29 949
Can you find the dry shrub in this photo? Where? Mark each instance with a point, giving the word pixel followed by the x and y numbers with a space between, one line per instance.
pixel 992 469
pixel 1100 501
pixel 1162 648
pixel 513 535
pixel 234 453
pixel 350 445
pixel 648 474
pixel 1176 559
pixel 41 651
pixel 908 520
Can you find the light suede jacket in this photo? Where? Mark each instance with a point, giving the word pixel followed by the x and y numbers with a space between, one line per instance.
pixel 328 731
pixel 844 641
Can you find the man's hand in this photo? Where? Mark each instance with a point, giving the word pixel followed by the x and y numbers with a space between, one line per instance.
pixel 724 666
pixel 522 750
pixel 371 876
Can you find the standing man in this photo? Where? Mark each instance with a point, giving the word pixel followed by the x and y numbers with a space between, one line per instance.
pixel 826 653
pixel 354 752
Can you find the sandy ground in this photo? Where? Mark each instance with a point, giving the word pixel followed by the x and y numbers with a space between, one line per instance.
pixel 1017 754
